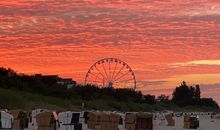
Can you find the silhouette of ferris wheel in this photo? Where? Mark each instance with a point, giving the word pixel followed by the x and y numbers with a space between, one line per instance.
pixel 111 72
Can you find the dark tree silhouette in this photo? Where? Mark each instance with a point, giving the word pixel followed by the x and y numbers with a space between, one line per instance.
pixel 197 92
pixel 182 95
pixel 185 96
pixel 163 99
pixel 150 99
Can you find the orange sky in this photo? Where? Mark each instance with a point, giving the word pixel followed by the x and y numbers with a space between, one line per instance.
pixel 163 42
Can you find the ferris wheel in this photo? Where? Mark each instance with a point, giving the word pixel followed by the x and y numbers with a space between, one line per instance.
pixel 111 72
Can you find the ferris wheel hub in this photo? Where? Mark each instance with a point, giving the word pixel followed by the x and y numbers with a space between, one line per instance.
pixel 110 84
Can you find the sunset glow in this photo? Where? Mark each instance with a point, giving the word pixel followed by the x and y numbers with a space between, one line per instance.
pixel 163 42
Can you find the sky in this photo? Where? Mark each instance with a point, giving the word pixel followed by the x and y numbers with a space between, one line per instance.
pixel 164 41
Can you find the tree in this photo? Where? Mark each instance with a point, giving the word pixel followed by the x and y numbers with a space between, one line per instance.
pixel 209 102
pixel 163 98
pixel 191 95
pixel 150 99
pixel 182 95
pixel 197 92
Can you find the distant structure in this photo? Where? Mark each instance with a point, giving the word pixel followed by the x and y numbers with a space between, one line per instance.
pixel 68 82
pixel 111 72
pixel 51 79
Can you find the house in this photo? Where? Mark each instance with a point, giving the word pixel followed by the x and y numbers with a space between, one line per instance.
pixel 68 82
pixel 55 79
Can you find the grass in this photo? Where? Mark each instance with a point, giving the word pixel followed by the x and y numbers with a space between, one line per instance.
pixel 13 99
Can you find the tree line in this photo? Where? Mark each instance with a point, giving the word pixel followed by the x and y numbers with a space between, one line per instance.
pixel 183 95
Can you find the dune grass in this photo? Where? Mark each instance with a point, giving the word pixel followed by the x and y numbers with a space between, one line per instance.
pixel 13 99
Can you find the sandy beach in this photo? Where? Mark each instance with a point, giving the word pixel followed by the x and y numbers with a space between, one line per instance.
pixel 204 121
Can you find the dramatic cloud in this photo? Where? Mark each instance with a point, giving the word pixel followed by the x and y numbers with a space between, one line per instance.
pixel 199 62
pixel 164 42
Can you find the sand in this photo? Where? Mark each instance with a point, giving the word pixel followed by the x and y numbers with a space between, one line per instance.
pixel 204 122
